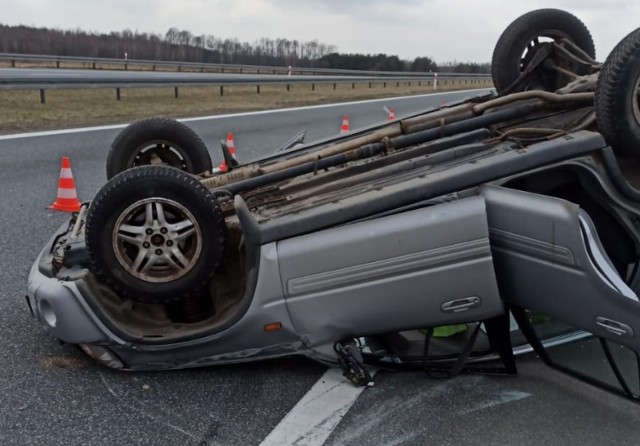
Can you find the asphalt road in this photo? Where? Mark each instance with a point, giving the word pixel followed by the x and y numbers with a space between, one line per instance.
pixel 51 394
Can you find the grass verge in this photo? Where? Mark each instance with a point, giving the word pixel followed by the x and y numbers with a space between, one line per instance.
pixel 21 110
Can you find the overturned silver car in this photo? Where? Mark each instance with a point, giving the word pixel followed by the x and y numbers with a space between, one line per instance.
pixel 352 250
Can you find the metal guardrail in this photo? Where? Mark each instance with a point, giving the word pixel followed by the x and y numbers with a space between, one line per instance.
pixel 94 63
pixel 118 80
pixel 53 82
pixel 42 84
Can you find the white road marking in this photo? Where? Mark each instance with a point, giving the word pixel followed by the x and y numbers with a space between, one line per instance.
pixel 317 414
pixel 229 115
pixel 502 397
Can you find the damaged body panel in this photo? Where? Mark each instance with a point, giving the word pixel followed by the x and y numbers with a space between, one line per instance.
pixel 405 243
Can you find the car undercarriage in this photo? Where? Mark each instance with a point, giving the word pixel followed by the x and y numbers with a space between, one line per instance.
pixel 363 243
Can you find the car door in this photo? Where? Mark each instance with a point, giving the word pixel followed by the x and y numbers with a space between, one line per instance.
pixel 560 285
pixel 419 268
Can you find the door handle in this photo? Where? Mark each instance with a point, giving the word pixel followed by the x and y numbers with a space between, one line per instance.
pixel 615 327
pixel 458 305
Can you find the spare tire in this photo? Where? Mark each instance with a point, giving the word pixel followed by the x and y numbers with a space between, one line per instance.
pixel 155 234
pixel 519 43
pixel 616 101
pixel 158 141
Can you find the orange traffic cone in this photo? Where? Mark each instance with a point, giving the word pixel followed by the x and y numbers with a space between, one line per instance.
pixel 67 199
pixel 345 125
pixel 232 150
pixel 392 114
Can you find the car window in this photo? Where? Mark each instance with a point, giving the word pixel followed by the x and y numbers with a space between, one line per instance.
pixel 600 361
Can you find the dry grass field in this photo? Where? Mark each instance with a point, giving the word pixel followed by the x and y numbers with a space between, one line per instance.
pixel 22 110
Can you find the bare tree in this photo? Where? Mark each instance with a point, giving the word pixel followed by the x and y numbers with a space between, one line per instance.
pixel 172 35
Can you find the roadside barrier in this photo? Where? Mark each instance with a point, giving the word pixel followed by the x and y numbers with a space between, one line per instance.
pixel 67 197
pixel 392 114
pixel 345 125
pixel 232 150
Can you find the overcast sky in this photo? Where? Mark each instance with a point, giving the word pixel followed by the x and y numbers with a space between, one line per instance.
pixel 463 30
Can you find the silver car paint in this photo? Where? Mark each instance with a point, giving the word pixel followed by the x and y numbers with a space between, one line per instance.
pixel 391 273
pixel 383 274
pixel 544 262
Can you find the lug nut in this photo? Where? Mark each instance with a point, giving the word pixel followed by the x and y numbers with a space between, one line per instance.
pixel 163 230
pixel 159 252
pixel 149 231
pixel 169 243
pixel 146 245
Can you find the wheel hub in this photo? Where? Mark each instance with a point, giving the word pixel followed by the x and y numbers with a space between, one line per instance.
pixel 160 153
pixel 157 240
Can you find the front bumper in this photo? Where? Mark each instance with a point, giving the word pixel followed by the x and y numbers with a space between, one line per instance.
pixel 63 307
pixel 59 306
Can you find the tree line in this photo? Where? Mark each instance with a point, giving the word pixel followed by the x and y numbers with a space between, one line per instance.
pixel 183 46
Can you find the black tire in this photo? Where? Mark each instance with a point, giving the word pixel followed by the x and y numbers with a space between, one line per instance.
pixel 616 100
pixel 508 62
pixel 172 142
pixel 125 222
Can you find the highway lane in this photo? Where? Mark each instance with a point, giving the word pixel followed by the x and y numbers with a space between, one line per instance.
pixel 538 407
pixel 53 395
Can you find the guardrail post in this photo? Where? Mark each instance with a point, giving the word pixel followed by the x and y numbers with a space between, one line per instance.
pixel 258 89
pixel 153 67
pixel 419 83
pixel 369 84
pixel 313 87
pixel 42 95
pixel 384 85
pixel 125 67
pixel 175 92
pixel 13 63
pixel 221 90
pixel 288 87
pixel 397 84
pixel 353 85
pixel 117 94
pixel 179 68
pixel 435 81
pixel 274 71
pixel 58 64
pixel 334 85
pixel 94 65
pixel 409 84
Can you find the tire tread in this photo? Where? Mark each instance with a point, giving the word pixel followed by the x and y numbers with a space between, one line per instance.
pixel 156 125
pixel 609 95
pixel 102 205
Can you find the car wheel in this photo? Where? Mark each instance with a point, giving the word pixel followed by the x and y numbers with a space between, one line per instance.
pixel 155 234
pixel 524 37
pixel 158 141
pixel 616 101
